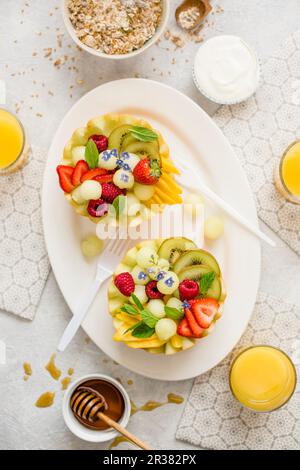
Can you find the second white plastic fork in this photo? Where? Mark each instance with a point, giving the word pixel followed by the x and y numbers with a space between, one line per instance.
pixel 108 261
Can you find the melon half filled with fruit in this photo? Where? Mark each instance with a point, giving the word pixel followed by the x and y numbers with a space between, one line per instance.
pixel 165 295
pixel 118 161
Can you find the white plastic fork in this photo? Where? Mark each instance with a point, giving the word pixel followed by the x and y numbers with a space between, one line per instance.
pixel 108 261
pixel 186 178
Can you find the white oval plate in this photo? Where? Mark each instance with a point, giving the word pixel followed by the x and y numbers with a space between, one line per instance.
pixel 190 132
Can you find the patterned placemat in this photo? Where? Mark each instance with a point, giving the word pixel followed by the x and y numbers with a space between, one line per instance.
pixel 261 128
pixel 24 265
pixel 214 419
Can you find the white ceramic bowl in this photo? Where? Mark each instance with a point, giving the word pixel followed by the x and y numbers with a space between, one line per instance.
pixel 81 431
pixel 102 55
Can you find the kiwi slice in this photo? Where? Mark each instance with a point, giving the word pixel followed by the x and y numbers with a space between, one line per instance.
pixel 196 272
pixel 127 140
pixel 172 248
pixel 192 257
pixel 117 136
pixel 144 149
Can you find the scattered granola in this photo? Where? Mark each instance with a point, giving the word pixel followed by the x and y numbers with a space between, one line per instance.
pixel 188 18
pixel 115 26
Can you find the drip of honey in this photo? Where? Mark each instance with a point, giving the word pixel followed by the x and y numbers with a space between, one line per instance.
pixel 70 371
pixel 52 369
pixel 65 382
pixel 27 368
pixel 45 400
pixel 152 405
pixel 130 382
pixel 118 441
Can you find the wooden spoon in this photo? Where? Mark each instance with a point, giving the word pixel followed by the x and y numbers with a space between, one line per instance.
pixel 203 7
pixel 88 404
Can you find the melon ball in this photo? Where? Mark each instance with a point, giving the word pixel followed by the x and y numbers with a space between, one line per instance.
pixel 140 293
pixel 108 159
pixel 146 257
pixel 213 227
pixel 192 202
pixel 165 328
pixel 143 192
pixel 157 308
pixel 168 284
pixel 90 189
pixel 163 264
pixel 133 204
pixel 140 276
pixel 130 161
pixel 91 246
pixel 78 153
pixel 123 179
pixel 173 302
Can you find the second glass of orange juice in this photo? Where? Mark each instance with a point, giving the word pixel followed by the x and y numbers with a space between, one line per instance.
pixel 287 174
pixel 13 146
pixel 262 378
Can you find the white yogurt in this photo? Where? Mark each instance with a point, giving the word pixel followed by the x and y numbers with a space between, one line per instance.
pixel 226 69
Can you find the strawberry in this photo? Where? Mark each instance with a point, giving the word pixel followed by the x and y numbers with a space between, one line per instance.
pixel 110 191
pixel 152 292
pixel 105 178
pixel 65 177
pixel 183 329
pixel 204 311
pixel 91 174
pixel 196 329
pixel 125 283
pixel 80 169
pixel 147 171
pixel 101 141
pixel 188 289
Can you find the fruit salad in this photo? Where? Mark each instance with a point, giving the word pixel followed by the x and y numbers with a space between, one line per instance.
pixel 117 161
pixel 165 295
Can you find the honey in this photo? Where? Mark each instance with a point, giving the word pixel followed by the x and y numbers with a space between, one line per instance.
pixel 45 400
pixel 52 368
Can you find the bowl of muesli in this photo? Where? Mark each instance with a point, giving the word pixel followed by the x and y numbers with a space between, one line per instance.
pixel 115 29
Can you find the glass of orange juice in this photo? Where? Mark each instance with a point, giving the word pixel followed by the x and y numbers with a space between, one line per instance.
pixel 287 174
pixel 262 378
pixel 13 145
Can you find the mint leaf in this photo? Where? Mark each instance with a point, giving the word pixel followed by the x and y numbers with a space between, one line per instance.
pixel 129 309
pixel 148 318
pixel 119 204
pixel 206 282
pixel 137 302
pixel 91 154
pixel 132 327
pixel 142 331
pixel 143 134
pixel 173 313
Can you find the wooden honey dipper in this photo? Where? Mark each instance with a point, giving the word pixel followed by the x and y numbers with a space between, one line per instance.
pixel 88 404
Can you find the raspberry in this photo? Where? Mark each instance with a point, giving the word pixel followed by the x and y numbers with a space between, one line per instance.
pixel 110 191
pixel 152 292
pixel 97 207
pixel 125 283
pixel 188 289
pixel 101 141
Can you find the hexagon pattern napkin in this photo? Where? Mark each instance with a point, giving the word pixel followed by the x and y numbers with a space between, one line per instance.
pixel 24 265
pixel 214 419
pixel 261 128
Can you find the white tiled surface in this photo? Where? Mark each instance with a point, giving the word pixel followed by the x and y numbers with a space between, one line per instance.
pixel 30 77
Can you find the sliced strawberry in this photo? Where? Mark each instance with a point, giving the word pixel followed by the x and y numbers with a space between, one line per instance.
pixel 196 329
pixel 80 169
pixel 183 329
pixel 204 311
pixel 91 174
pixel 107 178
pixel 65 177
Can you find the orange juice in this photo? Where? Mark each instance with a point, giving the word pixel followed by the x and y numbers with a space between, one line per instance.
pixel 262 378
pixel 12 140
pixel 287 178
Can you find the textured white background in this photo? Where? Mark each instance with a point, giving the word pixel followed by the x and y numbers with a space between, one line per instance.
pixel 265 24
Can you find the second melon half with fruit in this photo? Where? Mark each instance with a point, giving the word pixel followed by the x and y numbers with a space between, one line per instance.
pixel 165 295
